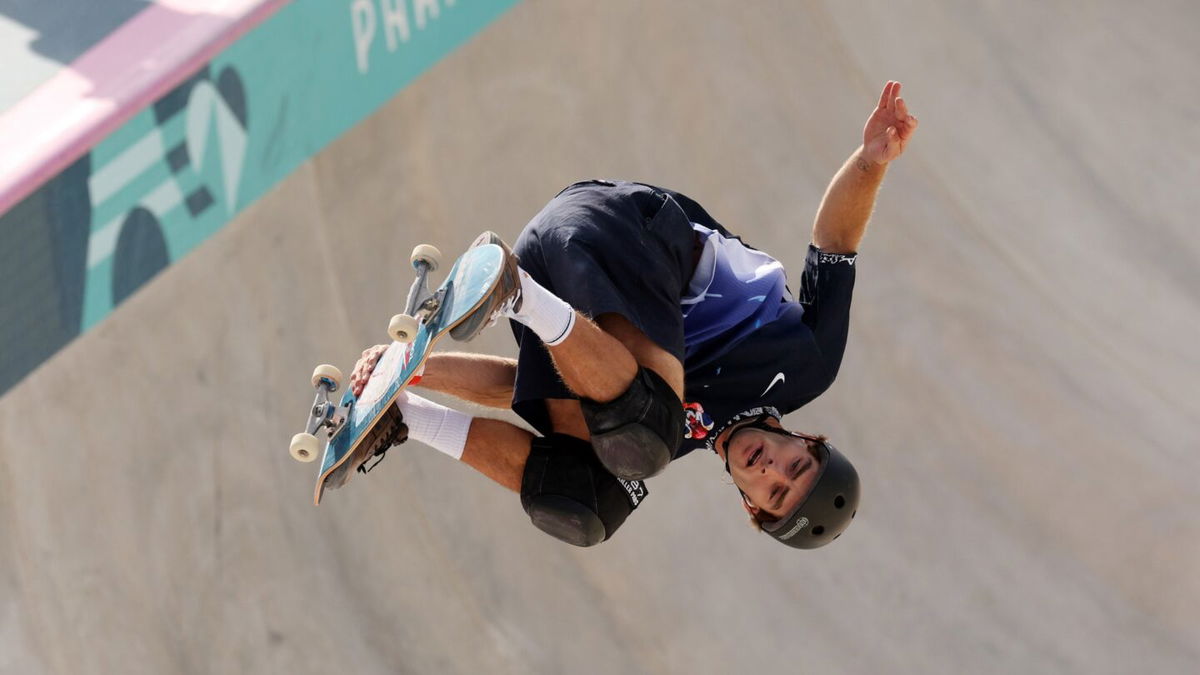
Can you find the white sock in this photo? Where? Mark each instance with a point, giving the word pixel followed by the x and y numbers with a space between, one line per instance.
pixel 441 428
pixel 544 312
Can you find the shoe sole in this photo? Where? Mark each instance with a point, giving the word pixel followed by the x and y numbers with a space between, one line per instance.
pixel 508 285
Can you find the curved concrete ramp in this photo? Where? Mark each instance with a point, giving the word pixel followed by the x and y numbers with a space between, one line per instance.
pixel 1019 389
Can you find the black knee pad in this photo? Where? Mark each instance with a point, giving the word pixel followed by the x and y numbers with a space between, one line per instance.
pixel 637 434
pixel 569 495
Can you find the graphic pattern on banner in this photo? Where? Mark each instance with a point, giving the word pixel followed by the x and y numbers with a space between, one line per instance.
pixel 181 169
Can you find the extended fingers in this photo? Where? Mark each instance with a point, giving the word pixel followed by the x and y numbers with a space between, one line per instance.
pixel 887 96
pixel 887 99
pixel 906 123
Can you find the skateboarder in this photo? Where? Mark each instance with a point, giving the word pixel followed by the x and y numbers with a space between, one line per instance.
pixel 646 330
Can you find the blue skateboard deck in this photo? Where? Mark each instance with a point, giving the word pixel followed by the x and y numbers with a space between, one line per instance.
pixel 467 285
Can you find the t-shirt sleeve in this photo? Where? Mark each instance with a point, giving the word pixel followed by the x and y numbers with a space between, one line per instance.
pixel 825 292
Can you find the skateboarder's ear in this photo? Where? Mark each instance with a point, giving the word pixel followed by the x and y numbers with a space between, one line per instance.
pixel 752 511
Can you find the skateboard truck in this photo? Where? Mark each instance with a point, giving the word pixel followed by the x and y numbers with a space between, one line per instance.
pixel 421 301
pixel 324 414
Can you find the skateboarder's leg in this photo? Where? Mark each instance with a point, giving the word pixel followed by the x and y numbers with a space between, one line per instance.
pixel 636 422
pixel 495 448
pixel 631 389
pixel 498 450
pixel 644 350
pixel 597 360
pixel 564 489
pixel 593 363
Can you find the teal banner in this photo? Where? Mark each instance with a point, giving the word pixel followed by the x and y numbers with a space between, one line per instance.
pixel 182 168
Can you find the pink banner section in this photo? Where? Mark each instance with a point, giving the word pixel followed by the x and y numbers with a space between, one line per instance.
pixel 128 70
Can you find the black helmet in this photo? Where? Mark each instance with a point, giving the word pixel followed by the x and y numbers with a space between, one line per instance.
pixel 831 504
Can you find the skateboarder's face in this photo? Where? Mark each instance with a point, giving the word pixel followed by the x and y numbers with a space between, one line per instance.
pixel 774 471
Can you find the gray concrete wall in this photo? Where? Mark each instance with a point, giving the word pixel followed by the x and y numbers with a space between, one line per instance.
pixel 1018 389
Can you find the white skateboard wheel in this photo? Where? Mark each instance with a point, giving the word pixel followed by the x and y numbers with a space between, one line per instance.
pixel 327 372
pixel 427 254
pixel 403 328
pixel 305 447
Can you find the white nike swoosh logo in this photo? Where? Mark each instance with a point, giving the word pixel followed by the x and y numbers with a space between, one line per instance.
pixel 779 377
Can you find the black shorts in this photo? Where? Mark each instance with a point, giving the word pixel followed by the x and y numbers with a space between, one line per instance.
pixel 603 247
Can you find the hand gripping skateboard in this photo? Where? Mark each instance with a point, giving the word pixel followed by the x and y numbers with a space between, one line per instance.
pixel 358 428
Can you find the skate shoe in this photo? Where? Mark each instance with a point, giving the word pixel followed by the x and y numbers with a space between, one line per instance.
pixel 503 300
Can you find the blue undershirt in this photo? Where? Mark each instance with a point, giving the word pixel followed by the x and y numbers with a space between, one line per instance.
pixel 734 291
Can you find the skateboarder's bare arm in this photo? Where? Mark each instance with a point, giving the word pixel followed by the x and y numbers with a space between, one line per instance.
pixel 479 378
pixel 842 218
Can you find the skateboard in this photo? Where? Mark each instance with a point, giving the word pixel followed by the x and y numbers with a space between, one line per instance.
pixel 359 428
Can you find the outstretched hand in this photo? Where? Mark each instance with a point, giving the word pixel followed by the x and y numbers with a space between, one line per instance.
pixel 889 127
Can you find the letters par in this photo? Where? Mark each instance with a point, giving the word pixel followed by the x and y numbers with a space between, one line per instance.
pixel 391 17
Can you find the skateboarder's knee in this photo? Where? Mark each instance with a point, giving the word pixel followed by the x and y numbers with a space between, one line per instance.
pixel 637 434
pixel 569 495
